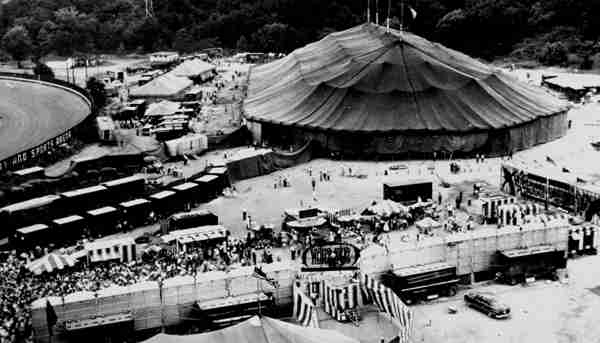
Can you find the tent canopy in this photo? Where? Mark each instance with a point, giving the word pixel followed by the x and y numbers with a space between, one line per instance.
pixel 162 108
pixel 259 330
pixel 163 86
pixel 367 80
pixel 192 68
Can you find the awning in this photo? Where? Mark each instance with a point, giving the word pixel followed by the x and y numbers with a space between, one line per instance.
pixel 50 263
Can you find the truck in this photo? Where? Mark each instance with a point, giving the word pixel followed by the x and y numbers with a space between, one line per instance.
pixel 425 282
pixel 408 191
pixel 523 264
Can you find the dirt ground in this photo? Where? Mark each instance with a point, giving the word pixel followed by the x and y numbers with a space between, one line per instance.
pixel 541 312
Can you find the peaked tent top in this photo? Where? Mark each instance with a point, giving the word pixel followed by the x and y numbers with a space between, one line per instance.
pixel 259 330
pixel 366 79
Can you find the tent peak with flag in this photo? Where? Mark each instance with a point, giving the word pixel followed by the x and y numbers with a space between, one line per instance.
pixel 259 330
pixel 393 92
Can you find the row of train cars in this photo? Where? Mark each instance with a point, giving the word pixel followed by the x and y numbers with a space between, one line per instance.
pixel 63 218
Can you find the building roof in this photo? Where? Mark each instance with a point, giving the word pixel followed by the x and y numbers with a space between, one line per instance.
pixel 67 220
pixel 366 80
pixel 102 210
pixel 123 180
pixel 540 249
pixel 185 186
pixel 423 269
pixel 194 67
pixel 32 228
pixel 206 178
pixel 83 191
pixel 162 195
pixel 163 86
pixel 28 171
pixel 134 202
pixel 31 203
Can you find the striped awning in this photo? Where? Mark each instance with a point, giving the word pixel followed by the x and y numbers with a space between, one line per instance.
pixel 50 263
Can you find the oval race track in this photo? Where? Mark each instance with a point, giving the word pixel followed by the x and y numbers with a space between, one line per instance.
pixel 32 113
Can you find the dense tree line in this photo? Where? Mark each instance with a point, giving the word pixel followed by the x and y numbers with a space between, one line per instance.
pixel 548 31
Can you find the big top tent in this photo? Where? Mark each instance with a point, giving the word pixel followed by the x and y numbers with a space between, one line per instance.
pixel 369 90
pixel 259 330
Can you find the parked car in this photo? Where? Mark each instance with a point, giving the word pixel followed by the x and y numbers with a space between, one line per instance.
pixel 488 304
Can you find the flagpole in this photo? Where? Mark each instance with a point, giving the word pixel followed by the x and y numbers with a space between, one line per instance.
pixel 402 15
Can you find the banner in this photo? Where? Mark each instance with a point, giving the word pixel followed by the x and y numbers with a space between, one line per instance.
pixel 387 301
pixel 305 310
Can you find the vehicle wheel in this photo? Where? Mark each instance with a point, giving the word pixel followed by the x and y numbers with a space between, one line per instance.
pixel 408 301
pixel 452 291
pixel 491 314
pixel 512 281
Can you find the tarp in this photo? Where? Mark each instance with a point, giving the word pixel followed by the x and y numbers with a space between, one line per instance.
pixel 259 330
pixel 366 80
pixel 263 161
pixel 193 68
pixel 167 85
pixel 190 144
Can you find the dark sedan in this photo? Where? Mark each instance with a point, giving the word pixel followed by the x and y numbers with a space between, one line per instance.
pixel 488 304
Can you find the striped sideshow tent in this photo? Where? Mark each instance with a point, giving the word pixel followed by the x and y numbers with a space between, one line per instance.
pixel 387 301
pixel 338 299
pixel 50 263
pixel 305 310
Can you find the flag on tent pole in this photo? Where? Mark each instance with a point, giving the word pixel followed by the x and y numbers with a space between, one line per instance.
pixel 305 310
pixel 387 301
pixel 260 274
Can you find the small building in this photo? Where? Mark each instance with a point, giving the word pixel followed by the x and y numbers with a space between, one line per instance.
pixel 106 129
pixel 122 250
pixel 163 58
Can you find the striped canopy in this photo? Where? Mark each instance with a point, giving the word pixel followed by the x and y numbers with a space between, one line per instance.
pixel 50 263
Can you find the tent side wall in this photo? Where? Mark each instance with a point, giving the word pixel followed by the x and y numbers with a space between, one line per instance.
pixel 493 142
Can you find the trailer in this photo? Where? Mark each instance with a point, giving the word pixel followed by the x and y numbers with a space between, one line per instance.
pixel 126 188
pixel 31 236
pixel 84 199
pixel 67 230
pixel 408 191
pixel 136 211
pixel 424 282
pixel 521 265
pixel 103 221
pixel 29 212
pixel 185 220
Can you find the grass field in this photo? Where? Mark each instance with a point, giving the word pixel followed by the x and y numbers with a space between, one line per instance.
pixel 32 113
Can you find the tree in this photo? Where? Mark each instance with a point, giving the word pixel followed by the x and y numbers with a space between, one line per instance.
pixel 17 43
pixel 97 91
pixel 242 44
pixel 42 70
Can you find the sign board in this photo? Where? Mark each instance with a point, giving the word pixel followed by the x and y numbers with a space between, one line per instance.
pixel 330 256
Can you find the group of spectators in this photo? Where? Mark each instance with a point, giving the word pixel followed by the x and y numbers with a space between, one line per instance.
pixel 19 286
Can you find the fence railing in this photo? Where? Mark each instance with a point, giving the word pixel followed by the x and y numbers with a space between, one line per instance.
pixel 22 158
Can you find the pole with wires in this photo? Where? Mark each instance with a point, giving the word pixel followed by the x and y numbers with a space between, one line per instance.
pixel 377 12
pixel 368 11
